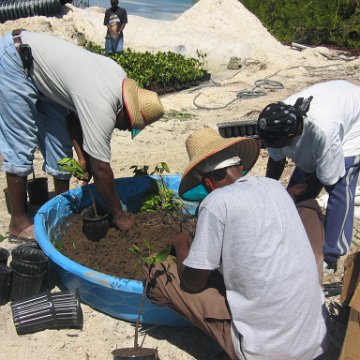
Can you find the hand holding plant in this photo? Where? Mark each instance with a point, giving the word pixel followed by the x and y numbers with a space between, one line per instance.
pixel 71 166
pixel 77 169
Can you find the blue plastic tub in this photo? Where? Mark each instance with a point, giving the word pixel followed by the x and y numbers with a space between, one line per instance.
pixel 117 297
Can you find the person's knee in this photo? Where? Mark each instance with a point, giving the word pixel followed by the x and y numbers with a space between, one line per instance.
pixel 18 170
pixel 155 280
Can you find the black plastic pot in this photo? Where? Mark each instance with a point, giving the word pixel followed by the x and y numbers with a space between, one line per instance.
pixel 24 285
pixel 247 128
pixel 47 310
pixel 13 9
pixel 95 227
pixel 38 191
pixel 4 254
pixel 131 353
pixel 29 260
pixel 5 283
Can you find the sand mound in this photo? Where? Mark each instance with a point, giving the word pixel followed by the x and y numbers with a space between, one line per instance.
pixel 220 29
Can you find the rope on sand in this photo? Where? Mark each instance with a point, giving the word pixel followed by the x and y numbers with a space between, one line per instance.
pixel 262 84
pixel 247 94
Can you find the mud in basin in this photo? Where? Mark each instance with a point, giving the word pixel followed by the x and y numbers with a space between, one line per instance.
pixel 109 293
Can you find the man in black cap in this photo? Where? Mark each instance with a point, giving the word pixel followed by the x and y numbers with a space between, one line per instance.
pixel 115 19
pixel 319 129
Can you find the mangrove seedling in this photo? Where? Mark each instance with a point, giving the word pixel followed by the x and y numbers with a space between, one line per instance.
pixel 165 199
pixel 148 259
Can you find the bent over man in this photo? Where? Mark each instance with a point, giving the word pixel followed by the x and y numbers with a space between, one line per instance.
pixel 44 79
pixel 319 129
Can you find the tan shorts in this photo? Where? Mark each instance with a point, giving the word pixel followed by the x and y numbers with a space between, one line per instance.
pixel 208 310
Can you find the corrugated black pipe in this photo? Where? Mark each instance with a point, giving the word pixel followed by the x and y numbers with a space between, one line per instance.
pixel 16 9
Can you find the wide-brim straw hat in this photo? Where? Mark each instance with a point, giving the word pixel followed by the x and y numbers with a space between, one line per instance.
pixel 204 143
pixel 143 106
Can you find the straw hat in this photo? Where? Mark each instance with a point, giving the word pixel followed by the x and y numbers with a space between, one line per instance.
pixel 143 106
pixel 205 143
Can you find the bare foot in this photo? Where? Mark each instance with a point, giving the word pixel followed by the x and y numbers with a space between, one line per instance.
pixel 21 226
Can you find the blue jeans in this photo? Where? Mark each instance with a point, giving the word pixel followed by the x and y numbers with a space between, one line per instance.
pixel 339 217
pixel 28 119
pixel 114 46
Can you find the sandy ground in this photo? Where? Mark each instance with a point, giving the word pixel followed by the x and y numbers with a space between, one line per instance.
pixel 220 29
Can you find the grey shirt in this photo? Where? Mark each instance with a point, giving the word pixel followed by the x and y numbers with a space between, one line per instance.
pixel 252 232
pixel 81 81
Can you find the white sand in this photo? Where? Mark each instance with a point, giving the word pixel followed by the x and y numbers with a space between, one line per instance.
pixel 221 29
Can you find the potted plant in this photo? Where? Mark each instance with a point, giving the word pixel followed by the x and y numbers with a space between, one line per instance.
pixel 96 219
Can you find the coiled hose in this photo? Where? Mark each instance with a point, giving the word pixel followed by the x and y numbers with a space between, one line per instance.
pixel 16 9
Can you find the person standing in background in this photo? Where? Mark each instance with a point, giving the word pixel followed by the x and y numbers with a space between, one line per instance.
pixel 115 20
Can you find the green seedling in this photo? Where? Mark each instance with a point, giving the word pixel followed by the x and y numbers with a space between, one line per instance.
pixel 149 259
pixel 160 71
pixel 178 115
pixel 2 237
pixel 72 166
pixel 58 244
pixel 166 199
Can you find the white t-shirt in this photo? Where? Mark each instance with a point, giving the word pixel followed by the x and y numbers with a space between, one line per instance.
pixel 84 82
pixel 331 130
pixel 252 232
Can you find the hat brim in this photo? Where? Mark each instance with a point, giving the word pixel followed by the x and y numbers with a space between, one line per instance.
pixel 247 149
pixel 130 91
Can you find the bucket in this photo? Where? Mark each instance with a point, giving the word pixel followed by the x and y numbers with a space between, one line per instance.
pixel 38 192
pixel 139 353
pixel 4 254
pixel 5 283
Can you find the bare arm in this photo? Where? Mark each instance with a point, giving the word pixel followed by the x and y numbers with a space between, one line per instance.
pixel 191 280
pixel 309 185
pixel 122 27
pixel 104 181
pixel 275 169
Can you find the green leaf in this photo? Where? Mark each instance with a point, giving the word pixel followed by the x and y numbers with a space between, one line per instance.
pixel 163 255
pixel 148 245
pixel 135 250
pixel 58 244
pixel 72 166
pixel 2 237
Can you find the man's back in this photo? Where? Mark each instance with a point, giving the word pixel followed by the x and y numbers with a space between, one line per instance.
pixel 335 110
pixel 257 239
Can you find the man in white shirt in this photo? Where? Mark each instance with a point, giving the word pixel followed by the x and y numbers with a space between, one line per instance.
pixel 319 129
pixel 45 81
pixel 242 279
